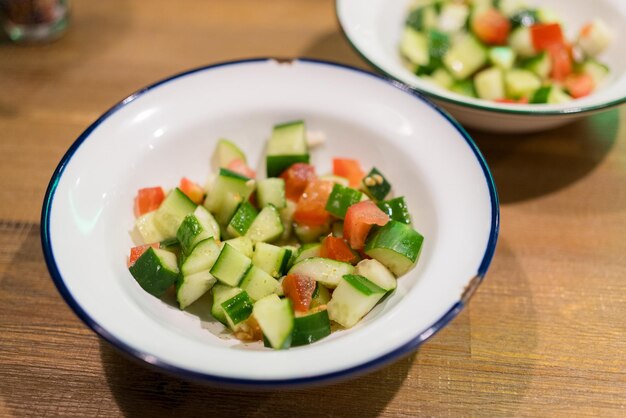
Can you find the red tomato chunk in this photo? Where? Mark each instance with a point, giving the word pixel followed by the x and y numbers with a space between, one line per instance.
pixel 359 220
pixel 300 290
pixel 148 199
pixel 297 177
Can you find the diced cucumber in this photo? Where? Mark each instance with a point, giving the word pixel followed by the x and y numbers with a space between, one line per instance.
pixel 286 146
pixel 376 185
pixel 396 245
pixel 520 83
pixel 539 64
pixel 550 94
pixel 353 298
pixel 414 46
pixel 242 219
pixel 258 283
pixel 374 271
pixel 147 229
pixel 170 244
pixel 502 57
pixel 286 218
pixel 511 7
pixel 465 57
pixel 242 244
pixel 271 259
pixel 490 84
pixel 524 17
pixel 172 211
pixel 228 191
pixel 442 78
pixel 323 270
pixel 201 258
pixel 337 229
pixel 521 42
pixel 595 40
pixel 267 226
pixel 308 250
pixel 321 296
pixel 221 293
pixel 598 71
pixel 196 227
pixel 225 152
pixel 397 209
pixel 230 266
pixel 307 234
pixel 335 179
pixel 422 18
pixel 156 271
pixel 341 198
pixel 237 309
pixel 453 17
pixel 310 328
pixel 293 249
pixel 191 287
pixel 464 87
pixel 271 191
pixel 547 15
pixel 275 317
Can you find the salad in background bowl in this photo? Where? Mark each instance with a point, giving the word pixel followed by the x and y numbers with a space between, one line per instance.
pixel 533 65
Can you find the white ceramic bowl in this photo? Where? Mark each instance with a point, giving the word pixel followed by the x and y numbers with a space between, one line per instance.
pixel 374 28
pixel 168 130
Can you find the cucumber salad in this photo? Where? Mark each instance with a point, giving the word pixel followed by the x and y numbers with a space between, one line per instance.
pixel 283 257
pixel 503 51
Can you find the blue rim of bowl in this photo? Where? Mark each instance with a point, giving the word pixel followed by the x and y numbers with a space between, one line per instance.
pixel 259 383
pixel 460 101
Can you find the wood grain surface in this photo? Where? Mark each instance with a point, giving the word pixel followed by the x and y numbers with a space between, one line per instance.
pixel 545 335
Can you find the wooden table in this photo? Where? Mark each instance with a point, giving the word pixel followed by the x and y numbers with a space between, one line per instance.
pixel 544 335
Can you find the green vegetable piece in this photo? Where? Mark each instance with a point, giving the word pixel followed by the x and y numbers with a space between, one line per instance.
pixel 376 185
pixel 156 271
pixel 310 328
pixel 242 219
pixel 341 198
pixel 396 209
pixel 396 245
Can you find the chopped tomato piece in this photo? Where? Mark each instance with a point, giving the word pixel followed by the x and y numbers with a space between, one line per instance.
pixel 297 177
pixel 350 169
pixel 192 190
pixel 337 249
pixel 148 199
pixel 579 85
pixel 545 36
pixel 311 207
pixel 561 62
pixel 300 290
pixel 240 167
pixel 359 220
pixel 491 27
pixel 136 252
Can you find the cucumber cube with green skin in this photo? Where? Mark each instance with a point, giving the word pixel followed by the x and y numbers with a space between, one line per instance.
pixel 191 287
pixel 309 234
pixel 309 250
pixel 286 146
pixel 376 185
pixel 353 298
pixel 540 64
pixel 524 17
pixel 550 94
pixel 596 70
pixel 374 271
pixel 202 258
pixel 324 270
pixel 489 84
pixel 242 219
pixel 465 56
pixel 422 18
pixel 396 209
pixel 230 266
pixel 396 245
pixel 237 309
pixel 258 283
pixel 341 198
pixel 310 328
pixel 276 319
pixel 520 83
pixel 222 293
pixel 156 271
pixel 286 218
pixel 321 296
pixel 464 87
pixel 147 229
pixel 502 57
pixel 242 244
pixel 172 211
pixel 229 190
pixel 271 191
pixel 267 226
pixel 271 259
pixel 226 152
pixel 414 47
pixel 196 227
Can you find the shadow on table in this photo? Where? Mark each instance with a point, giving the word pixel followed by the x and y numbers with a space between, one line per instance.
pixel 332 46
pixel 141 391
pixel 529 166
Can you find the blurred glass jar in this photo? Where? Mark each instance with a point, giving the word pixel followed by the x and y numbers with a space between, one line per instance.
pixel 34 20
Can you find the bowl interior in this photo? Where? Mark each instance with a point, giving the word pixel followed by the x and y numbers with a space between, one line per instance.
pixel 169 131
pixel 374 27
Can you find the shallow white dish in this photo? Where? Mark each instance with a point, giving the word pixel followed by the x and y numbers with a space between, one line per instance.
pixel 168 130
pixel 374 28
